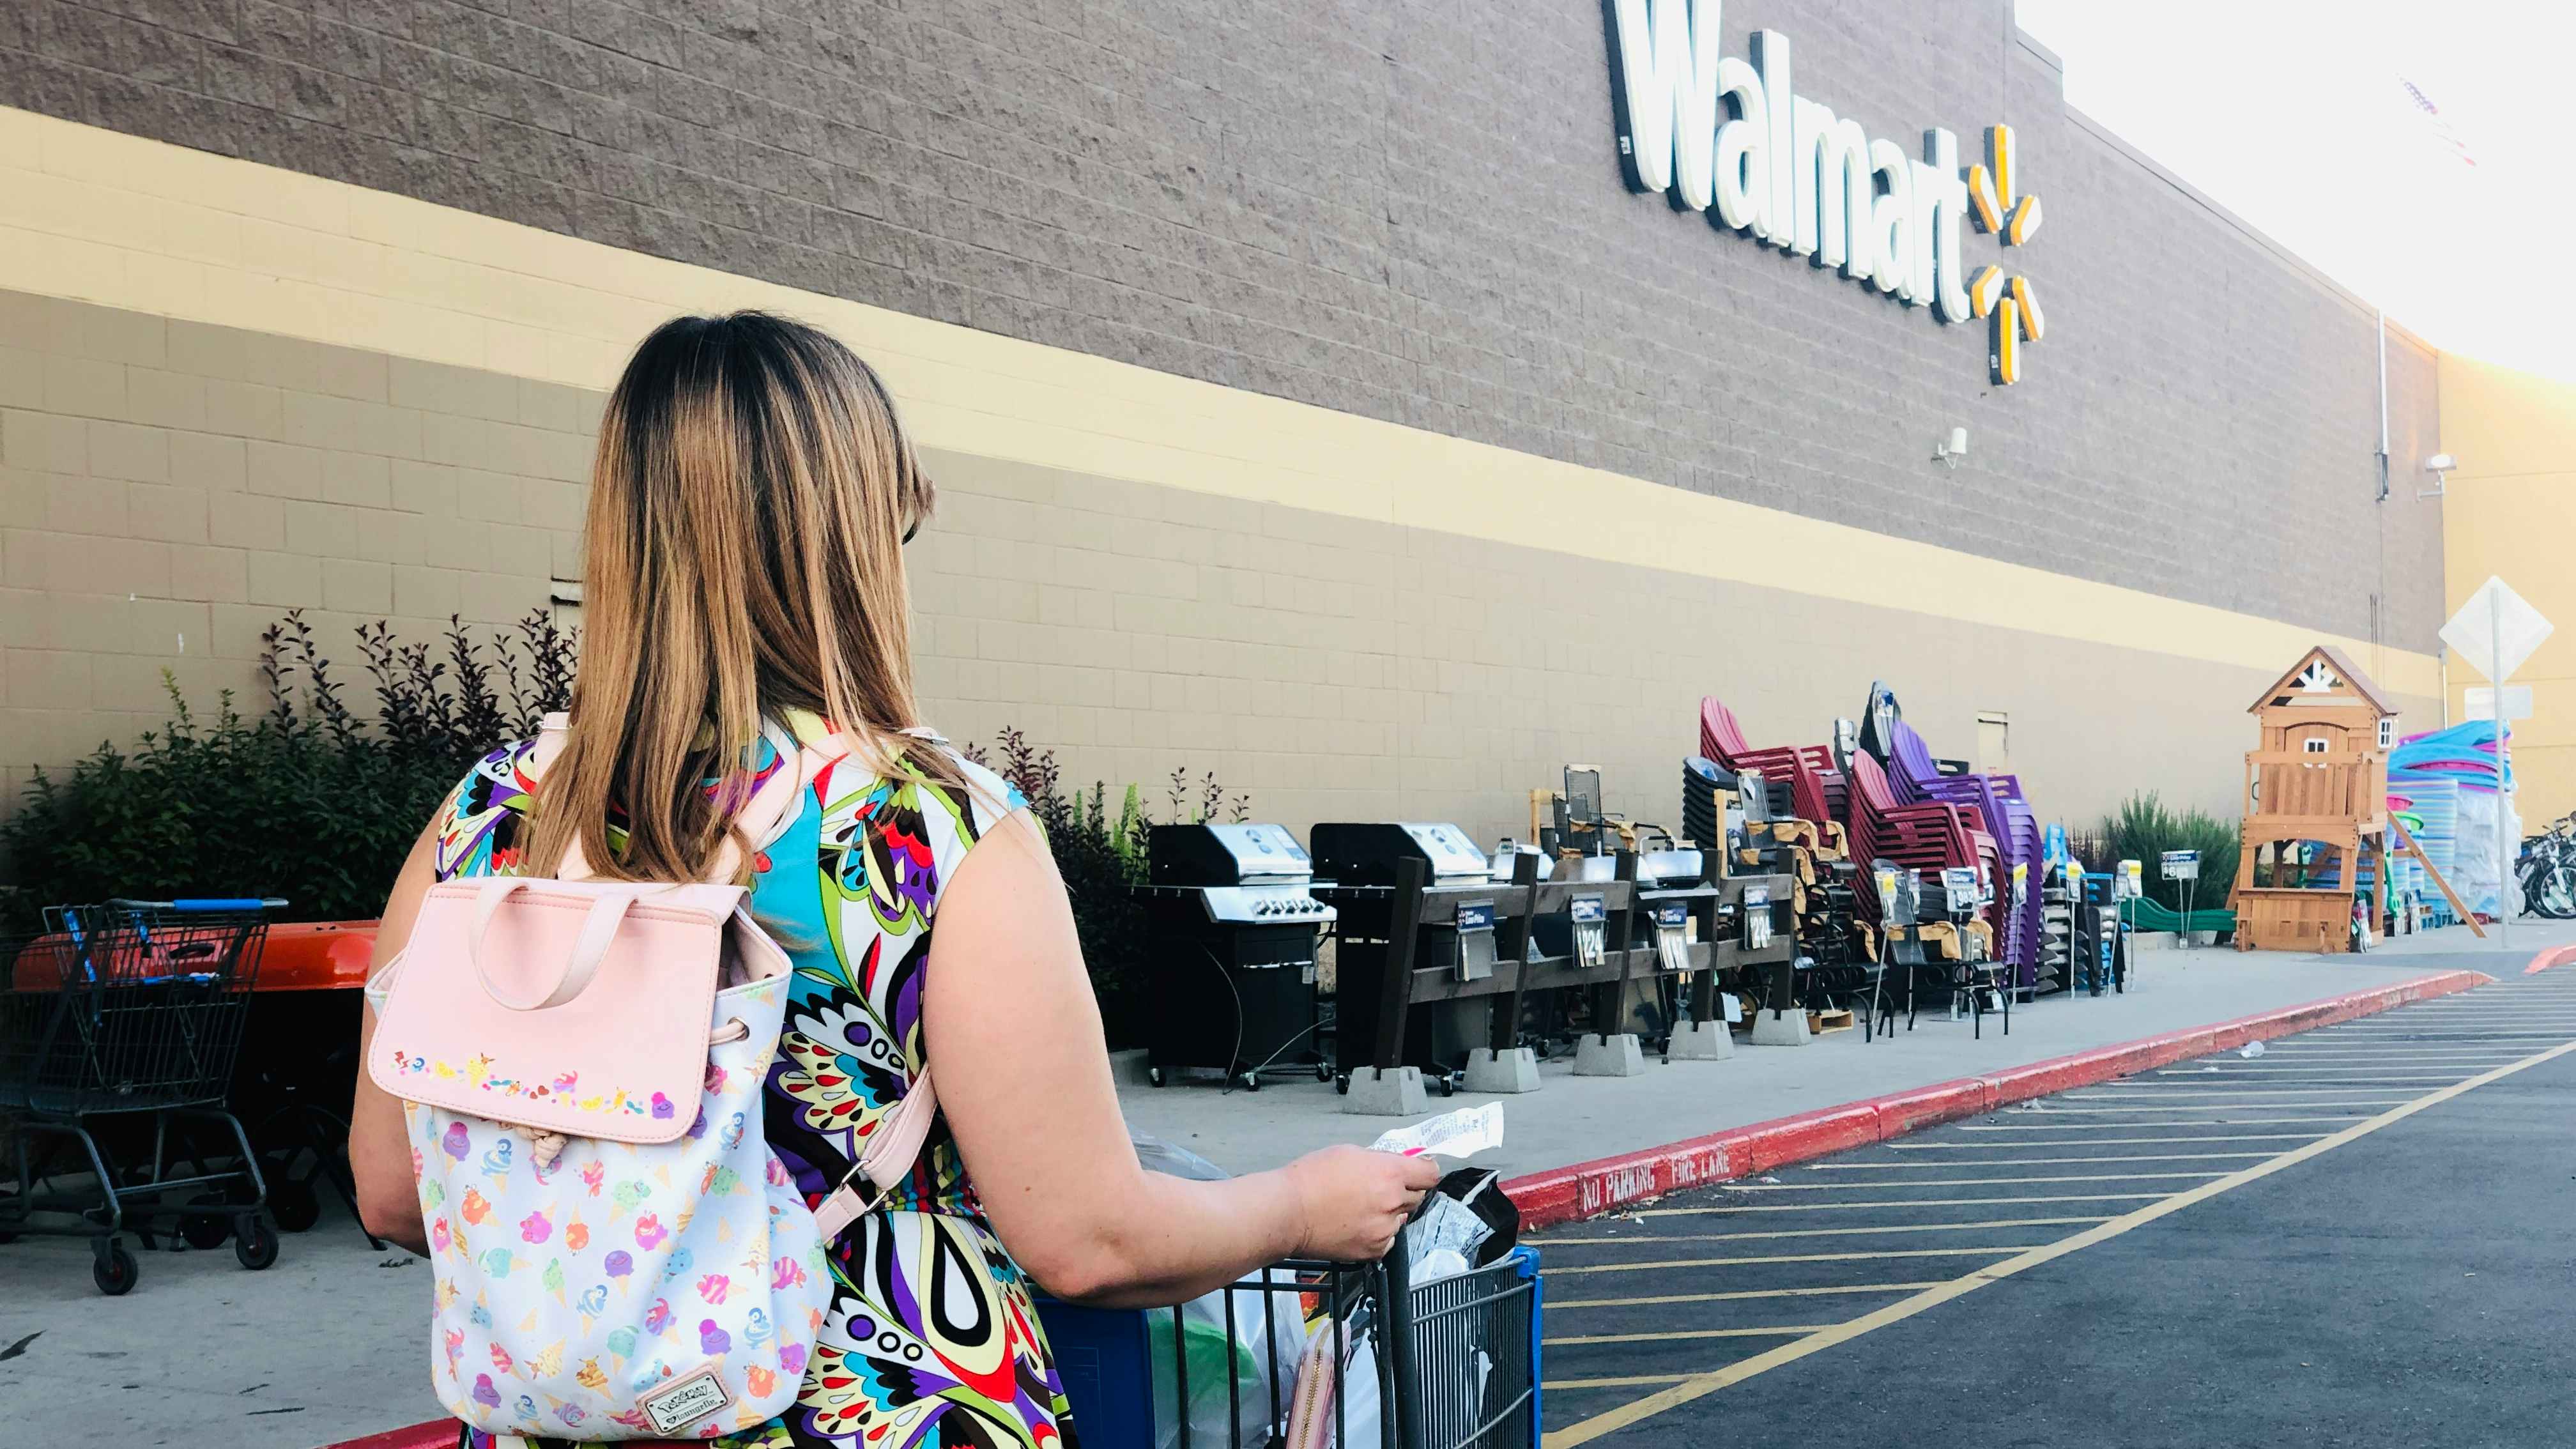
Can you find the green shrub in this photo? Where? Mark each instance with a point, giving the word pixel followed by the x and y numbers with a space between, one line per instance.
pixel 317 801
pixel 307 800
pixel 2142 829
pixel 1101 859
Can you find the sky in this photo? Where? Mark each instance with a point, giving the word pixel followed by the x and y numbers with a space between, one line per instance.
pixel 2292 116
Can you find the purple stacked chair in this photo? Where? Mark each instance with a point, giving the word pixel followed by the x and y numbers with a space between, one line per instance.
pixel 1916 776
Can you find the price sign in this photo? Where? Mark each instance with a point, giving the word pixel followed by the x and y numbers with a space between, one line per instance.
pixel 2182 864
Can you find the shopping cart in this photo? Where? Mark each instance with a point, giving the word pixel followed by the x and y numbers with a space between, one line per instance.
pixel 1311 1355
pixel 126 1010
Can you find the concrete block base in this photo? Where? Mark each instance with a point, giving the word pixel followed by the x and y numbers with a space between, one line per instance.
pixel 1391 1094
pixel 1617 1056
pixel 1701 1041
pixel 1782 1029
pixel 1512 1071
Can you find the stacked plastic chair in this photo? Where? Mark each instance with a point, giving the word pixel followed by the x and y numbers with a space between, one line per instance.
pixel 1931 835
pixel 1833 930
pixel 1816 789
pixel 1999 802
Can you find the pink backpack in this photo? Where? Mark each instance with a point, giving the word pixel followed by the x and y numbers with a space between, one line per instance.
pixel 616 1252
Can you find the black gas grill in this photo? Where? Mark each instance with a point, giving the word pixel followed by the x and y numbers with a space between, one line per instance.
pixel 1232 930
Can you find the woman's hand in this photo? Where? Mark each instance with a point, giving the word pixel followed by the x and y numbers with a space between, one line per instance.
pixel 1351 1201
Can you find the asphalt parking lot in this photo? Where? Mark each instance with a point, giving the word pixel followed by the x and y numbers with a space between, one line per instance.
pixel 2378 1201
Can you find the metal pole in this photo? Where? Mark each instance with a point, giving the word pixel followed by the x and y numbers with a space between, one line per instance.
pixel 2504 761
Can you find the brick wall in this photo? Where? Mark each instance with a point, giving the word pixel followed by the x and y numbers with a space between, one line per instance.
pixel 1411 211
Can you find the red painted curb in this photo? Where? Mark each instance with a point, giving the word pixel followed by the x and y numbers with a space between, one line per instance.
pixel 2555 956
pixel 435 1434
pixel 1589 1189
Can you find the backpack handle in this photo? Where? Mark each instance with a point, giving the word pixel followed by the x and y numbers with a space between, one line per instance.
pixel 598 929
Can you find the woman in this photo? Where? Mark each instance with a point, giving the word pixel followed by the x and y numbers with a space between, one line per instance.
pixel 744 588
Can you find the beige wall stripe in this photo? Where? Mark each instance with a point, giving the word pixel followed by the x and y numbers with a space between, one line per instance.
pixel 103 217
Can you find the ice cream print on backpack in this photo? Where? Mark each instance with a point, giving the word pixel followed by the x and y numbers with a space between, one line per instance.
pixel 616 1252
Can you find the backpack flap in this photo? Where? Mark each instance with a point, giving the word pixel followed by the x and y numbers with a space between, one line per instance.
pixel 573 1007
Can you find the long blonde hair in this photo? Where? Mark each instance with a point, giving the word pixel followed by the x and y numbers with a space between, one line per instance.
pixel 743 556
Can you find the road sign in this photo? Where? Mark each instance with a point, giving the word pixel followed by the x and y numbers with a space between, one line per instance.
pixel 2481 702
pixel 2182 864
pixel 2496 630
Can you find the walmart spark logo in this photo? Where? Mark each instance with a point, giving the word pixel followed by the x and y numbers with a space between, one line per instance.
pixel 2009 301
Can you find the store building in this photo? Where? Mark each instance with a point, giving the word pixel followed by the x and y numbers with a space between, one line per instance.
pixel 1357 400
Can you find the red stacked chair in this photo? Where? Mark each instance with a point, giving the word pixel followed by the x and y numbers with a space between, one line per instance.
pixel 1816 789
pixel 1930 836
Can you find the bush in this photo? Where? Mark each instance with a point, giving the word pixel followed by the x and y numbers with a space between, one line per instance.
pixel 2142 829
pixel 1101 858
pixel 316 801
pixel 308 800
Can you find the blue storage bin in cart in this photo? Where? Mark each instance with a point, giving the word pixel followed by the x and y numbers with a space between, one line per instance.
pixel 1120 1366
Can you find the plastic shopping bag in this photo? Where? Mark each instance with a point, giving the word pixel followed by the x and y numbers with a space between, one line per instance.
pixel 1320 1417
pixel 1231 1377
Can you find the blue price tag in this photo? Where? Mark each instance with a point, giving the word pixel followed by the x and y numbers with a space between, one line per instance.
pixel 1479 917
pixel 1672 913
pixel 1588 911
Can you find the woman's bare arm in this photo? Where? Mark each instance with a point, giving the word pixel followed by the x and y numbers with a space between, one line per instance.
pixel 379 1149
pixel 1023 1077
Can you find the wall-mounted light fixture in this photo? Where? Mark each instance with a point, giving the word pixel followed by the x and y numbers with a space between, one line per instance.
pixel 1952 448
pixel 2440 466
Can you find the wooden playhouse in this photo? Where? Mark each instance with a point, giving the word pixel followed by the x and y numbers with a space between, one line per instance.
pixel 2316 804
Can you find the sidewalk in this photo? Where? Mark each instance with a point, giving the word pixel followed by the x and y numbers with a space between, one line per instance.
pixel 1582 1119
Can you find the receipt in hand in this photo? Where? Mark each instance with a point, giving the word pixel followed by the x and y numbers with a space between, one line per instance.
pixel 1460 1134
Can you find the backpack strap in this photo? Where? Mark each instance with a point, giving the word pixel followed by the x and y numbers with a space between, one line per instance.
pixel 887 1159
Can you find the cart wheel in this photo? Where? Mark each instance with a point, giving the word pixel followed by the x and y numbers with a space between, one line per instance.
pixel 1444 1086
pixel 1342 1085
pixel 254 1241
pixel 1323 1073
pixel 295 1205
pixel 1251 1081
pixel 205 1230
pixel 1154 1077
pixel 112 1268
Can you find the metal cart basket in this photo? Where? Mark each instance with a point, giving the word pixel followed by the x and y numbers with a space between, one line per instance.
pixel 132 1009
pixel 1312 1355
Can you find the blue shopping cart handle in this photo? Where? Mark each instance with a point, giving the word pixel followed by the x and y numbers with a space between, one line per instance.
pixel 211 903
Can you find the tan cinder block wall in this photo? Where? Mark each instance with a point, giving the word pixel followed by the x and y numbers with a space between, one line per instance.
pixel 2510 512
pixel 171 488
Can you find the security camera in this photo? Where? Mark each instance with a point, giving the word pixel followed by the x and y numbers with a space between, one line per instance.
pixel 1951 449
pixel 2440 463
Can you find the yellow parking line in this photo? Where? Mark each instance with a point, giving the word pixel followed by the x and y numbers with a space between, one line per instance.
pixel 1686 1390
pixel 1559 1305
pixel 1808 1233
pixel 1624 1381
pixel 2100 1141
pixel 1959 1181
pixel 1667 1263
pixel 1844 1207
pixel 1678 1334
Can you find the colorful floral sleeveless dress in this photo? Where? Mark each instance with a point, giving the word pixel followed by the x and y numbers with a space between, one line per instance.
pixel 931 1339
